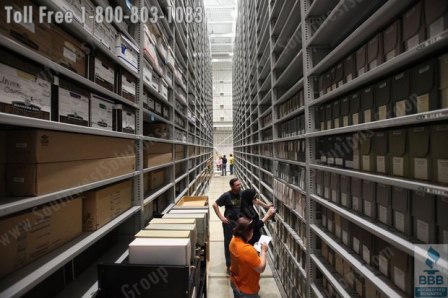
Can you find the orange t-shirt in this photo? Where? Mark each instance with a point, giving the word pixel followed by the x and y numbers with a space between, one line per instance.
pixel 244 258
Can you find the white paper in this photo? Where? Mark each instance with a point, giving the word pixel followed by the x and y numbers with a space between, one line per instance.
pixel 263 239
pixel 423 103
pixel 382 112
pixel 336 123
pixel 384 265
pixel 368 208
pixel 422 231
pixel 399 278
pixel 398 166
pixel 366 254
pixel 383 214
pixel 399 221
pixel 327 192
pixel 421 168
pixel 128 120
pixel 400 108
pixel 334 195
pixel 442 170
pixel 381 164
pixel 127 86
pixel 366 163
pixel 367 116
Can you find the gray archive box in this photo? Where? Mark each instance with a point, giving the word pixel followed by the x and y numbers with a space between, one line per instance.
pixel 400 93
pixel 361 60
pixel 335 188
pixel 327 185
pixel 436 17
pixel 350 68
pixel 413 26
pixel 402 210
pixel 345 112
pixel 366 152
pixel 375 51
pixel 442 219
pixel 439 153
pixel 398 151
pixel 384 202
pixel 424 87
pixel 424 217
pixel 369 198
pixel 339 75
pixel 356 194
pixel 355 108
pixel 345 191
pixel 382 100
pixel 392 41
pixel 420 159
pixel 336 114
pixel 367 106
pixel 381 144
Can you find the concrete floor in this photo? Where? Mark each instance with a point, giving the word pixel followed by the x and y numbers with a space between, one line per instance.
pixel 218 281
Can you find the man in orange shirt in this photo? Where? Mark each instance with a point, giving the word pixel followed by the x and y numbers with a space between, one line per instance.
pixel 246 265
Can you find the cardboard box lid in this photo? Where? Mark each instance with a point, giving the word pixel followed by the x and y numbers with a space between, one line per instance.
pixel 355 99
pixel 412 21
pixel 384 194
pixel 434 9
pixel 423 77
pixel 189 201
pixel 336 109
pixel 328 112
pixel 424 206
pixel 162 226
pixel 442 208
pixel 381 143
pixel 374 48
pixel 382 93
pixel 189 210
pixel 366 144
pixel 350 65
pixel 401 199
pixel 163 234
pixel 345 184
pixel 339 72
pixel 172 221
pixel 361 57
pixel 369 190
pixel 345 106
pixel 439 141
pixel 367 99
pixel 138 242
pixel 419 141
pixel 397 142
pixel 401 85
pixel 392 37
pixel 189 215
pixel 335 181
pixel 356 187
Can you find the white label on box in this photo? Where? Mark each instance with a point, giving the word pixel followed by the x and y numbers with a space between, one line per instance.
pixel 422 231
pixel 399 221
pixel 350 164
pixel 399 278
pixel 345 121
pixel 23 90
pixel 330 225
pixel 333 86
pixel 421 168
pixel 442 170
pixel 69 54
pixel 104 73
pixel 326 192
pixel 322 126
pixel 361 71
pixel 391 55
pixel 339 161
pixel 319 189
pixel 333 195
pixel 373 64
pixel 382 112
pixel 412 42
pixel 127 86
pixel 437 27
pixel 338 231
pixel 329 124
pixel 368 208
pixel 382 214
pixel 323 158
pixel 400 108
pixel 336 123
pixel 18 180
pixel 366 254
pixel 345 237
pixel 355 118
pixel 355 203
pixel 356 245
pixel 398 166
pixel 101 113
pixel 344 199
pixel 423 103
pixel 381 164
pixel 349 77
pixel 73 105
pixel 384 265
pixel 366 163
pixel 340 83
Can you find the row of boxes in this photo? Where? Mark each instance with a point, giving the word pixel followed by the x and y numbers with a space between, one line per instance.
pixel 154 180
pixel 290 197
pixel 157 129
pixel 155 82
pixel 421 89
pixel 266 120
pixel 291 173
pixel 266 135
pixel 292 150
pixel 180 136
pixel 425 20
pixel 155 154
pixel 294 103
pixel 292 127
pixel 411 213
pixel 266 150
pixel 43 229
pixel 414 152
pixel 393 263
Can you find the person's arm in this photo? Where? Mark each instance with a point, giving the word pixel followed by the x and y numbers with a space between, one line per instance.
pixel 268 214
pixel 219 214
pixel 263 204
pixel 264 250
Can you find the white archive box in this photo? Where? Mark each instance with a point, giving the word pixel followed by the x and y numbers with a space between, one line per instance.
pixel 73 107
pixel 167 234
pixel 176 227
pixel 201 221
pixel 147 73
pixel 101 112
pixel 83 12
pixel 106 34
pixel 127 52
pixel 160 251
pixel 163 89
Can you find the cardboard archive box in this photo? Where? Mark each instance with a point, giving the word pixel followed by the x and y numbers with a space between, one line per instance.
pixel 398 151
pixel 160 251
pixel 442 219
pixel 400 93
pixel 40 231
pixel 345 112
pixel 383 108
pixel 335 185
pixel 197 201
pixel 436 17
pixel 157 154
pixel 201 222
pixel 439 153
pixel 375 51
pixel 361 60
pixel 337 114
pixel 381 152
pixel 319 183
pixel 102 205
pixel 128 86
pixel 419 152
pixel 176 227
pixel 367 105
pixel 384 202
pixel 367 151
pixel 73 104
pixel 356 194
pixel 345 191
pixel 123 119
pixel 350 68
pixel 424 217
pixel 424 87
pixel 392 40
pixel 102 71
pixel 369 198
pixel 402 210
pixel 101 112
pixel 402 270
pixel 327 186
pixel 414 26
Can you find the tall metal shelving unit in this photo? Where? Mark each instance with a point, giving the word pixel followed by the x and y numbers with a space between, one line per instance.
pixel 281 49
pixel 59 269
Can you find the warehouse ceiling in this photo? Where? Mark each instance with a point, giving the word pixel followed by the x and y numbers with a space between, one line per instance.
pixel 221 19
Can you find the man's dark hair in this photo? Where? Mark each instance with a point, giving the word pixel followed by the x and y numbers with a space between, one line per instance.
pixel 232 181
pixel 244 227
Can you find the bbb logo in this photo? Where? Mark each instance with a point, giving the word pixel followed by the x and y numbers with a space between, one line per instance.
pixel 431 278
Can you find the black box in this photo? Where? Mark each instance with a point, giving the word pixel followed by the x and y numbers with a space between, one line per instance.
pixel 367 107
pixel 424 87
pixel 400 91
pixel 349 68
pixel 413 26
pixel 392 40
pixel 383 109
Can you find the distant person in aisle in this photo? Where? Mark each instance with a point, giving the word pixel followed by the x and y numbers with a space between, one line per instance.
pixel 246 265
pixel 218 163
pixel 224 165
pixel 249 197
pixel 231 202
pixel 231 163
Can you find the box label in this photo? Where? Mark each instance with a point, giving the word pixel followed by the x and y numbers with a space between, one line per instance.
pixel 400 108
pixel 367 116
pixel 437 27
pixel 366 254
pixel 333 195
pixel 128 120
pixel 326 192
pixel 368 208
pixel 421 168
pixel 336 123
pixel 344 199
pixel 319 189
pixel 442 170
pixel 356 245
pixel 329 124
pixel 345 237
pixel 338 231
pixel 399 221
pixel 430 270
pixel 355 118
pixel 399 278
pixel 349 77
pixel 339 161
pixel 381 164
pixel 398 166
pixel 422 231
pixel 391 55
pixel 384 265
pixel 423 103
pixel 382 113
pixel 412 42
pixel 355 203
pixel 382 214
pixel 345 120
pixel 330 160
pixel 366 163
pixel 69 54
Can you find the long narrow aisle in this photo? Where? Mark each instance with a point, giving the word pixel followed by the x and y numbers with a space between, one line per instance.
pixel 218 281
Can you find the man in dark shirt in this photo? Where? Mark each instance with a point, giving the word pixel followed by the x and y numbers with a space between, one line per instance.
pixel 224 166
pixel 231 201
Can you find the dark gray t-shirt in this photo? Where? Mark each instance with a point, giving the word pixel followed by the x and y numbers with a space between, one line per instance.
pixel 231 202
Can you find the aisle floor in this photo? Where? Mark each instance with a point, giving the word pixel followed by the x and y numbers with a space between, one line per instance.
pixel 218 281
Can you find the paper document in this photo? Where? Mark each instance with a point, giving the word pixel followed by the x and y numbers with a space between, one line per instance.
pixel 263 239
